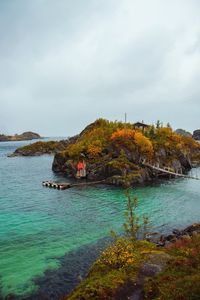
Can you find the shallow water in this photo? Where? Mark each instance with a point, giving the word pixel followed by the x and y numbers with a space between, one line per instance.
pixel 48 237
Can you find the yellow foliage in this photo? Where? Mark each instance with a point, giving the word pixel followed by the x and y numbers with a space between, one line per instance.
pixel 123 133
pixel 94 149
pixel 74 150
pixel 119 255
pixel 144 143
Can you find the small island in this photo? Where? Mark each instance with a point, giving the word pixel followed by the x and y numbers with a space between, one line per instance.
pixel 25 136
pixel 41 148
pixel 121 153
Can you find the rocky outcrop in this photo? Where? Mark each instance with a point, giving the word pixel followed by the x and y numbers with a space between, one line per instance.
pixel 196 135
pixel 183 132
pixel 115 154
pixel 120 171
pixel 177 234
pixel 20 137
pixel 40 148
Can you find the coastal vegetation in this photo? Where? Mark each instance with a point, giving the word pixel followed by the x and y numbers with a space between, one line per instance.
pixel 40 148
pixel 131 268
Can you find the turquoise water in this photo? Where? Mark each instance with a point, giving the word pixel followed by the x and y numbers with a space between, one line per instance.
pixel 39 227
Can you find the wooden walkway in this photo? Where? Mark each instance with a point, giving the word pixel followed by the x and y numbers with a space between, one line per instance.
pixel 66 185
pixel 169 172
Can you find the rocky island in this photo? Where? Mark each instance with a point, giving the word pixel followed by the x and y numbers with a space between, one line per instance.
pixel 114 152
pixel 20 137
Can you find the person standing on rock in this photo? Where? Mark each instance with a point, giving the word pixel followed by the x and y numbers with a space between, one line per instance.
pixel 81 169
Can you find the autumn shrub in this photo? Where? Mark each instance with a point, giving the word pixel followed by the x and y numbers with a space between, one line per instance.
pixel 133 140
pixel 74 150
pixel 182 275
pixel 116 266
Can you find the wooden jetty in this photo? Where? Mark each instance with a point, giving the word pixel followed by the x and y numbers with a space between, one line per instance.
pixel 66 185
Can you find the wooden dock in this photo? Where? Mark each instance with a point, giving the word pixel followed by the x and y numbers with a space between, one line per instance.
pixel 66 185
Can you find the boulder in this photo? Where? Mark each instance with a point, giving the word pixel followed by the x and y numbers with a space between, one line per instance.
pixel 196 134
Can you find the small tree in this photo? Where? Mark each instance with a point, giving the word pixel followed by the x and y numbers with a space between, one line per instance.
pixel 132 225
pixel 158 124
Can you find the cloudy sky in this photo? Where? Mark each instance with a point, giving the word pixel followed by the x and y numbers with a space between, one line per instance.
pixel 64 63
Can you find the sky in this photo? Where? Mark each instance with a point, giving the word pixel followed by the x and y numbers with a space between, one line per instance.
pixel 65 63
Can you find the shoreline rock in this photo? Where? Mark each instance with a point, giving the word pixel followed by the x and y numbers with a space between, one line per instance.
pixel 176 234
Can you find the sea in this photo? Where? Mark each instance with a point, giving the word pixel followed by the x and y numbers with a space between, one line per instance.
pixel 49 238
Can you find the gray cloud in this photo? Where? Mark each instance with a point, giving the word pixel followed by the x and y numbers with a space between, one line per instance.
pixel 65 63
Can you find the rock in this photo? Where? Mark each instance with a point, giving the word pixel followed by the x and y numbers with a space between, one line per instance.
pixel 20 137
pixel 185 161
pixel 185 237
pixel 183 132
pixel 170 237
pixel 155 264
pixel 177 232
pixel 192 228
pixel 196 134
pixel 194 233
pixel 149 269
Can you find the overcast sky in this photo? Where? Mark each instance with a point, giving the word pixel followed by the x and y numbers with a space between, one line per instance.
pixel 64 63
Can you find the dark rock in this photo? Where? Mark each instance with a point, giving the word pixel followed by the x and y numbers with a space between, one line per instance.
pixel 192 228
pixel 177 232
pixel 196 134
pixel 185 161
pixel 170 237
pixel 149 269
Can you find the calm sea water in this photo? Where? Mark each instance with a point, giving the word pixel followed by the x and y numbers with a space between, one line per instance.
pixel 49 238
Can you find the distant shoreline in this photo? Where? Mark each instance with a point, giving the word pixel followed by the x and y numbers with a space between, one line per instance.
pixel 25 136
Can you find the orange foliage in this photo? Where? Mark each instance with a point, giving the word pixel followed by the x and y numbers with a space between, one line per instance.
pixel 143 144
pixel 123 133
pixel 94 150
